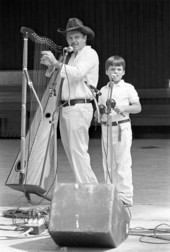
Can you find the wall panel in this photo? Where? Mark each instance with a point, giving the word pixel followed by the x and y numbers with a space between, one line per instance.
pixel 139 30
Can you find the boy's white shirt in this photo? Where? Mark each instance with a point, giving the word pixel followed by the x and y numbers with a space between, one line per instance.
pixel 123 93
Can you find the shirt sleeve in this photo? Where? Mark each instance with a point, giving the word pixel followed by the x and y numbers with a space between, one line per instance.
pixel 132 93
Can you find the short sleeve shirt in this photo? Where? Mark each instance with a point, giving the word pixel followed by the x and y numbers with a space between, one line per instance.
pixel 123 93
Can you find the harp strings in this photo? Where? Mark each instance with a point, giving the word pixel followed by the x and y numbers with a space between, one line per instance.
pixel 40 84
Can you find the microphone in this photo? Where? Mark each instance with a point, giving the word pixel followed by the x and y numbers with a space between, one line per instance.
pixel 111 103
pixel 113 76
pixel 68 49
pixel 95 89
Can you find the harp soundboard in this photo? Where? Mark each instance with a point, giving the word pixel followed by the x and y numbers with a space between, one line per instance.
pixel 38 152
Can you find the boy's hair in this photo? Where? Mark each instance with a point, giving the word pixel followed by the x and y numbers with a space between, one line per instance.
pixel 115 61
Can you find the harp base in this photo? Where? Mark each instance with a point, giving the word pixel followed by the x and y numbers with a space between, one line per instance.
pixel 29 189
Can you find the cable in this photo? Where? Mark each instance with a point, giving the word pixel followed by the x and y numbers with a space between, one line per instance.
pixel 152 233
pixel 25 235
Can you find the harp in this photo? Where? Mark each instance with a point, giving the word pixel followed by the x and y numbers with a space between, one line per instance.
pixel 31 169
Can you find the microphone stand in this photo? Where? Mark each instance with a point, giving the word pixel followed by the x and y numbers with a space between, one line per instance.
pixel 109 135
pixel 54 122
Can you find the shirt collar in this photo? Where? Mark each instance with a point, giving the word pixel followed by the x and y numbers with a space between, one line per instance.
pixel 116 85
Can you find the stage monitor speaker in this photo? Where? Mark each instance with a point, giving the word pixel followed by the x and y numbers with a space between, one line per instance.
pixel 88 215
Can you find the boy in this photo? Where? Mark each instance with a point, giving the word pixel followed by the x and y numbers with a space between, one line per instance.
pixel 117 101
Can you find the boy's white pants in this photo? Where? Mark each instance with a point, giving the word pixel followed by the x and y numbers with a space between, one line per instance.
pixel 117 160
pixel 74 128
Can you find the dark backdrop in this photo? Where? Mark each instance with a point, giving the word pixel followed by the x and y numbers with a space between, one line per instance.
pixel 138 30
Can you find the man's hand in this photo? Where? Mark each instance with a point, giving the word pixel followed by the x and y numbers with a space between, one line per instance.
pixel 48 59
pixel 95 115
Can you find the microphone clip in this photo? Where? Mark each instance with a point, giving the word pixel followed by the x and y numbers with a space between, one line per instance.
pixel 95 90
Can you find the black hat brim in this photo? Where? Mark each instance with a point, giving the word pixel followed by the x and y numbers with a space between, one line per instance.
pixel 84 29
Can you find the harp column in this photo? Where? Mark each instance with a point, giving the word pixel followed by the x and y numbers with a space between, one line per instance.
pixel 23 106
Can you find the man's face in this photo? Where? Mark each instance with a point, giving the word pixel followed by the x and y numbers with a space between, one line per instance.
pixel 76 39
pixel 115 73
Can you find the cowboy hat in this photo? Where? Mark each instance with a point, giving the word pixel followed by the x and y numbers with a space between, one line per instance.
pixel 75 24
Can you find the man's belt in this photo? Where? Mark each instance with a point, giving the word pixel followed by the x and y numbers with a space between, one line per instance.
pixel 116 123
pixel 75 101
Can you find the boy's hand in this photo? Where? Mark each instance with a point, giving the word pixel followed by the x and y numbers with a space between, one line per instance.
pixel 119 110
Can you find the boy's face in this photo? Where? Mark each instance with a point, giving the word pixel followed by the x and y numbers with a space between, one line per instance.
pixel 115 73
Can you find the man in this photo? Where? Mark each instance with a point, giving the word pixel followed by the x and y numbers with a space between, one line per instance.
pixel 77 111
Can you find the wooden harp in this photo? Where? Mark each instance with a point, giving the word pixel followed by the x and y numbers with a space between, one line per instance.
pixel 31 169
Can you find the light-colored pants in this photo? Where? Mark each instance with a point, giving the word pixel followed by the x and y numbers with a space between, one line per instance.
pixel 117 160
pixel 74 129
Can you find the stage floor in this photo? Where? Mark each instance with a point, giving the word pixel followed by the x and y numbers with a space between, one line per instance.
pixel 151 178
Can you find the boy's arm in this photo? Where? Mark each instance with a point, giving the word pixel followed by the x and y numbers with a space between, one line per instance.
pixel 133 108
